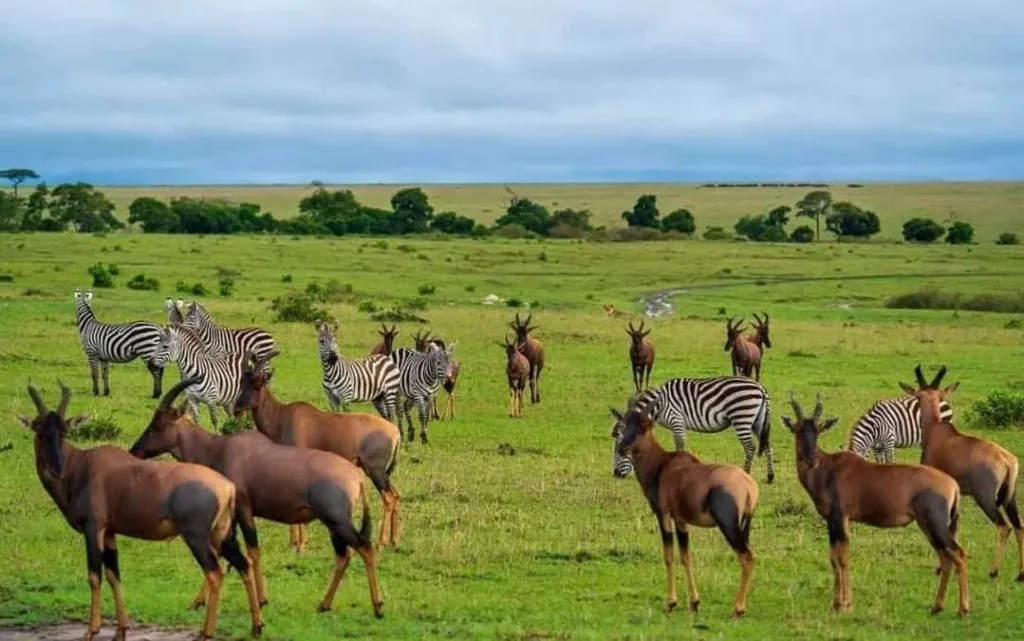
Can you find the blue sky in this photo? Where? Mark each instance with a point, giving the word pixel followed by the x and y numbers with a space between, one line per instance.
pixel 192 91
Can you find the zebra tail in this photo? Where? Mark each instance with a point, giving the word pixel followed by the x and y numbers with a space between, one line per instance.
pixel 763 428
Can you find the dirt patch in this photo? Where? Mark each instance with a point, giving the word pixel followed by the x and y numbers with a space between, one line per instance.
pixel 75 631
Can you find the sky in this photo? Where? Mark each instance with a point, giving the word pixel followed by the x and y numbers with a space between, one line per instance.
pixel 428 91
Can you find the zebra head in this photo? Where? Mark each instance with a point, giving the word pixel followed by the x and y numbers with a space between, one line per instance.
pixel 196 317
pixel 168 347
pixel 441 358
pixel 621 465
pixel 326 341
pixel 644 404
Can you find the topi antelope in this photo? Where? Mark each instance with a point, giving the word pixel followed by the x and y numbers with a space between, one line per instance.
pixel 683 491
pixel 104 491
pixel 844 487
pixel 745 352
pixel 292 485
pixel 533 350
pixel 517 370
pixel 609 309
pixel 641 355
pixel 369 441
pixel 984 470
pixel 387 343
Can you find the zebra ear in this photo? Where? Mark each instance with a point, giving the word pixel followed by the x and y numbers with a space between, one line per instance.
pixel 88 295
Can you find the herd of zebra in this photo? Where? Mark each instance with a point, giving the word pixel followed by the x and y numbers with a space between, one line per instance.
pixel 215 356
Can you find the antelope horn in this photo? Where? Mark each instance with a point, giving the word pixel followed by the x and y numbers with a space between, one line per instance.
pixel 939 376
pixel 37 399
pixel 920 376
pixel 818 408
pixel 65 398
pixel 258 365
pixel 765 314
pixel 796 406
pixel 172 394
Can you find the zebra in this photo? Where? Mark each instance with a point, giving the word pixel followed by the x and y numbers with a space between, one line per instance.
pixel 174 316
pixel 708 405
pixel 373 378
pixel 106 343
pixel 891 423
pixel 222 340
pixel 218 377
pixel 422 374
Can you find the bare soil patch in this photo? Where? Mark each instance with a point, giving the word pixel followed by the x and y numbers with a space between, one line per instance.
pixel 75 631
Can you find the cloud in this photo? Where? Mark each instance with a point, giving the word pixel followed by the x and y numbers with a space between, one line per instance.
pixel 510 90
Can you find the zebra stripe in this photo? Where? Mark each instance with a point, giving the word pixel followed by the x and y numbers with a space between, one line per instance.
pixel 372 378
pixel 174 316
pixel 891 423
pixel 222 340
pixel 709 405
pixel 219 377
pixel 106 343
pixel 422 374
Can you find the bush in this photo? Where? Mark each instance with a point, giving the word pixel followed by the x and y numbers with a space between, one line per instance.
pixel 773 234
pixel 566 231
pixel 680 220
pixel 416 304
pixel 287 278
pixel 514 230
pixel 1008 238
pixel 716 233
pixel 850 220
pixel 960 233
pixel 368 306
pixel 802 234
pixel 514 302
pixel 6 278
pixel 142 282
pixel 102 276
pixel 234 425
pixel 227 286
pixel 395 315
pixel 99 428
pixel 933 298
pixel 999 409
pixel 426 290
pixel 196 289
pixel 922 230
pixel 295 307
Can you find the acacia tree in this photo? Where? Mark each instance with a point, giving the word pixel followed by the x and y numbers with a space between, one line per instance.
pixel 816 205
pixel 18 176
pixel 644 213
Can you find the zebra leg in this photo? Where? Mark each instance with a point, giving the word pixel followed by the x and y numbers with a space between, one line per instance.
pixel 771 463
pixel 158 378
pixel 889 452
pixel 424 409
pixel 433 404
pixel 679 436
pixel 406 409
pixel 748 449
pixel 105 367
pixel 193 410
pixel 213 415
pixel 94 371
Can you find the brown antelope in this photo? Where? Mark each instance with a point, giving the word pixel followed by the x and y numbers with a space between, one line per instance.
pixel 292 485
pixel 387 343
pixel 104 491
pixel 369 441
pixel 609 309
pixel 745 351
pixel 641 355
pixel 762 340
pixel 533 350
pixel 683 491
pixel 517 370
pixel 985 471
pixel 844 487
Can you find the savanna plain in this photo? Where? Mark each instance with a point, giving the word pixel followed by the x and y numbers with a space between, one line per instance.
pixel 516 528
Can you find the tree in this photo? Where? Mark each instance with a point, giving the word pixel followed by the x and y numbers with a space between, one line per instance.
pixel 816 205
pixel 449 222
pixel 11 212
pixel 18 176
pixel 337 211
pixel 413 211
pixel 802 234
pixel 779 217
pixel 680 220
pixel 532 216
pixel 960 233
pixel 83 207
pixel 922 230
pixel 644 213
pixel 153 215
pixel 575 218
pixel 37 205
pixel 848 219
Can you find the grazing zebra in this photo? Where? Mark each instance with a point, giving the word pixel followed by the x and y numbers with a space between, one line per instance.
pixel 372 378
pixel 219 377
pixel 222 340
pixel 422 374
pixel 174 316
pixel 891 423
pixel 709 405
pixel 106 343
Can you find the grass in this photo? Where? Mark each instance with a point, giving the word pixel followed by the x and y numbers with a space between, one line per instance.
pixel 993 208
pixel 516 529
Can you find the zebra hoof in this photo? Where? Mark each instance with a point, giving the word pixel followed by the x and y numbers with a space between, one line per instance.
pixel 771 478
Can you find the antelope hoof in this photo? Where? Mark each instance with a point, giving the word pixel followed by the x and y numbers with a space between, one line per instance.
pixel 671 605
pixel 121 634
pixel 263 603
pixel 378 609
pixel 197 604
pixel 993 573
pixel 694 605
pixel 964 610
pixel 738 614
pixel 323 607
pixel 1020 578
pixel 936 609
pixel 257 630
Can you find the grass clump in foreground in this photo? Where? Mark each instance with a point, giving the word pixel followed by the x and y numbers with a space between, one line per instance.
pixel 1000 409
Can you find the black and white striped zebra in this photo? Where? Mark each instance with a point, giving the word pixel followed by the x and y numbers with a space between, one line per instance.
pixel 218 377
pixel 174 316
pixel 372 378
pixel 222 340
pixel 891 423
pixel 422 374
pixel 709 405
pixel 106 343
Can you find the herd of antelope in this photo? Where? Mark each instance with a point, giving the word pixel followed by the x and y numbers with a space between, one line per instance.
pixel 302 463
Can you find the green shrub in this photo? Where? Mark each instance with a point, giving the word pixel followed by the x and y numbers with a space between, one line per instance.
pixel 296 307
pixel 416 304
pixel 227 286
pixel 6 278
pixel 234 425
pixel 716 233
pixel 102 276
pixel 426 290
pixel 514 302
pixel 933 298
pixel 287 278
pixel 395 315
pixel 144 283
pixel 368 306
pixel 922 230
pixel 960 233
pixel 802 234
pixel 1008 238
pixel 1000 409
pixel 98 428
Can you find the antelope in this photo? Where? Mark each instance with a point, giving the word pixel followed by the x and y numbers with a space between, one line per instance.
pixel 104 491
pixel 684 491
pixel 641 355
pixel 984 470
pixel 385 347
pixel 292 485
pixel 761 339
pixel 369 441
pixel 844 487
pixel 517 370
pixel 533 350
pixel 745 354
pixel 609 309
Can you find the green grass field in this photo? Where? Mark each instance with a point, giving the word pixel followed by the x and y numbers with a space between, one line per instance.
pixel 991 207
pixel 544 543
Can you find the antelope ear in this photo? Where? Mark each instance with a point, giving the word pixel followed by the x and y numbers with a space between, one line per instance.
pixel 908 389
pixel 26 421
pixel 827 425
pixel 788 422
pixel 951 388
pixel 617 414
pixel 78 421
